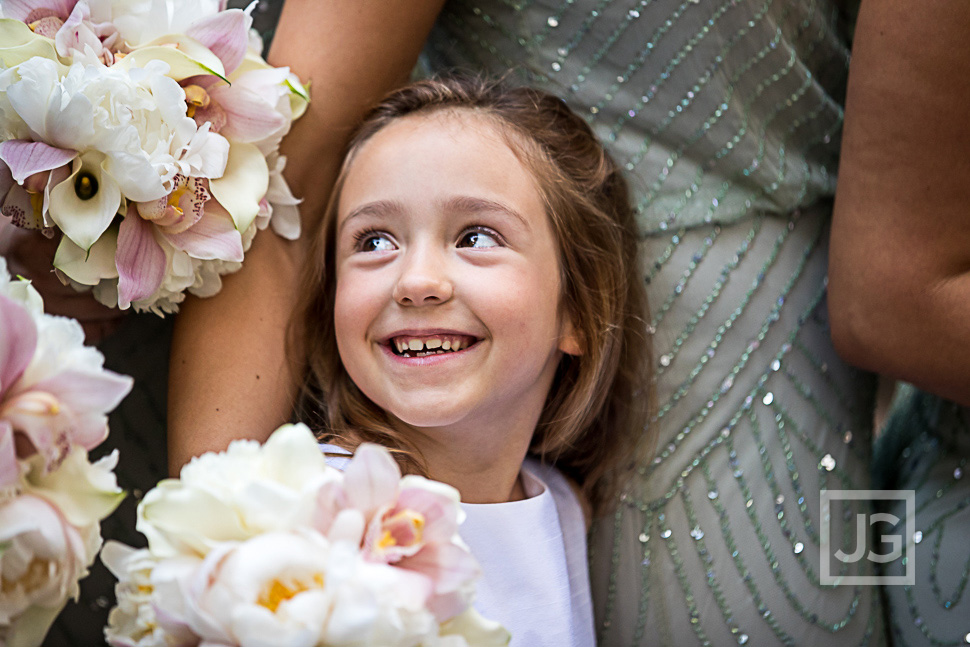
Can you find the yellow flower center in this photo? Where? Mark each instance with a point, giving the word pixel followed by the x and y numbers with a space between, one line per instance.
pixel 413 525
pixel 38 572
pixel 195 97
pixel 279 592
pixel 175 196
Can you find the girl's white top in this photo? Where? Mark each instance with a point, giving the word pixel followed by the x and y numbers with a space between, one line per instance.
pixel 535 577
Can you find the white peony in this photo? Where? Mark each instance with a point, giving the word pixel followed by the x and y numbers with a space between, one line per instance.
pixel 43 558
pixel 235 495
pixel 128 127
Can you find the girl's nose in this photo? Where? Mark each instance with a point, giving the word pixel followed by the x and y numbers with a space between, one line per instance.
pixel 423 281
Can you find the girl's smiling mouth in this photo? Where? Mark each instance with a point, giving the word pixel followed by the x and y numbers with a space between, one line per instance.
pixel 424 345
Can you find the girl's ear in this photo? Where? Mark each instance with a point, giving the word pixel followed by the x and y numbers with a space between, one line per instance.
pixel 568 340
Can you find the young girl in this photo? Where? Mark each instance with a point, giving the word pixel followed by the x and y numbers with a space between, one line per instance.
pixel 472 304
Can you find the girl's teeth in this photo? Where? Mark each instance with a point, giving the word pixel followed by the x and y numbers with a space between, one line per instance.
pixel 429 346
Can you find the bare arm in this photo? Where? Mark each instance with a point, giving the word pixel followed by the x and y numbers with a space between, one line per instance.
pixel 899 273
pixel 228 374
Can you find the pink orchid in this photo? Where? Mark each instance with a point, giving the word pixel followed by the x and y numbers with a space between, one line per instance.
pixel 40 15
pixel 188 219
pixel 245 111
pixel 68 23
pixel 48 403
pixel 409 522
pixel 28 172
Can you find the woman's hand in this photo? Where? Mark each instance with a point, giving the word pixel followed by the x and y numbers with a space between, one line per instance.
pixel 31 255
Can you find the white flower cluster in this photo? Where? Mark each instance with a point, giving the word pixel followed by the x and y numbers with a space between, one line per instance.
pixel 267 545
pixel 147 133
pixel 54 395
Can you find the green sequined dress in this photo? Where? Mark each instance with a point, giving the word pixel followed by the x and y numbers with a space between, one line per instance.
pixel 726 115
pixel 924 448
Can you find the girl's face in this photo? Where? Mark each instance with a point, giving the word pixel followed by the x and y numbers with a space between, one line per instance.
pixel 447 301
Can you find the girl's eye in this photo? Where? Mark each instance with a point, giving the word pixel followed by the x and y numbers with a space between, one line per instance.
pixel 374 241
pixel 479 238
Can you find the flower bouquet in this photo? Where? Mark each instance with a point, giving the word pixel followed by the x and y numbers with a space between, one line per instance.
pixel 54 395
pixel 268 545
pixel 147 132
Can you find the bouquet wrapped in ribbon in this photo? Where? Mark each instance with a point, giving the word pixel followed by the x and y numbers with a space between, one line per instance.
pixel 147 132
pixel 54 396
pixel 267 545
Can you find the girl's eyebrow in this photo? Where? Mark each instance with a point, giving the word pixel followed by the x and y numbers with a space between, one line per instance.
pixel 460 204
pixel 469 204
pixel 378 207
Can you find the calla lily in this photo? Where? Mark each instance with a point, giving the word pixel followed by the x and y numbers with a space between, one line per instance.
pixel 184 56
pixel 88 267
pixel 86 202
pixel 19 43
pixel 243 185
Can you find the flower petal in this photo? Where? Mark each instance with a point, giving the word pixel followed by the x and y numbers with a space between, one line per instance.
pixel 21 9
pixel 243 185
pixel 251 117
pixel 140 259
pixel 83 221
pixel 186 59
pixel 18 341
pixel 91 266
pixel 371 478
pixel 84 492
pixel 80 390
pixel 226 34
pixel 214 237
pixel 22 209
pixel 26 158
pixel 476 630
pixel 178 520
pixel 20 43
pixel 9 467
pixel 449 566
pixel 137 178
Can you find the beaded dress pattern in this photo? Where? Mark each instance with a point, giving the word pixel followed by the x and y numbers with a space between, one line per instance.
pixel 726 115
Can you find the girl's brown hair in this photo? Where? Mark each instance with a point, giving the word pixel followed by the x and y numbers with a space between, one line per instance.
pixel 595 414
